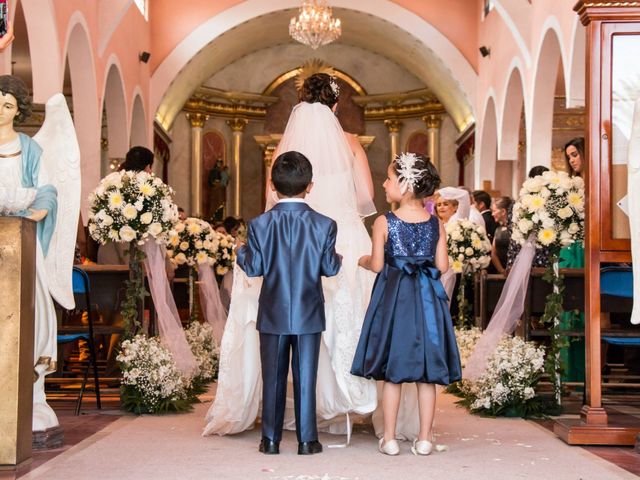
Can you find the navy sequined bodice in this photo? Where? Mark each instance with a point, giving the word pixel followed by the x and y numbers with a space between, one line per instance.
pixel 411 239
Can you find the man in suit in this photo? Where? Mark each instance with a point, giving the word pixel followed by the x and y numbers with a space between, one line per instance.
pixel 291 246
pixel 482 201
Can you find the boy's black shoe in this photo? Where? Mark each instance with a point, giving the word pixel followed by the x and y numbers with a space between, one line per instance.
pixel 269 447
pixel 309 448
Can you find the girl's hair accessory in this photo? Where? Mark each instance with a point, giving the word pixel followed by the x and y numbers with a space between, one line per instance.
pixel 408 174
pixel 334 87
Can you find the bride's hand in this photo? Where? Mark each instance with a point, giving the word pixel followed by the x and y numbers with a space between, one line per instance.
pixel 37 215
pixel 364 261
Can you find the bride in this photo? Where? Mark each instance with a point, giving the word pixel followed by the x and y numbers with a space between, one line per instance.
pixel 343 191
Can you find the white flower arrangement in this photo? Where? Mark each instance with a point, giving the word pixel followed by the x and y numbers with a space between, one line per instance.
pixel 551 207
pixel 192 242
pixel 131 206
pixel 205 349
pixel 508 384
pixel 468 247
pixel 225 254
pixel 466 338
pixel 151 382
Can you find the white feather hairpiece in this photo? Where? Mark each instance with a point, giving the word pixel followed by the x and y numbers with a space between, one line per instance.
pixel 408 174
pixel 334 87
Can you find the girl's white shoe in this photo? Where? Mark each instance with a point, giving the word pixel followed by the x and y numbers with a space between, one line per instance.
pixel 421 447
pixel 389 448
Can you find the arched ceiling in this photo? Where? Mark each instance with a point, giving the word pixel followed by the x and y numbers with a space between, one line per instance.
pixel 360 29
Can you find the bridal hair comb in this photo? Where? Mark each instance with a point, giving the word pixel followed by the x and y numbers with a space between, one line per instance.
pixel 408 174
pixel 334 87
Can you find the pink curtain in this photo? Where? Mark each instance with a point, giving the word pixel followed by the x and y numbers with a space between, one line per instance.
pixel 169 325
pixel 214 312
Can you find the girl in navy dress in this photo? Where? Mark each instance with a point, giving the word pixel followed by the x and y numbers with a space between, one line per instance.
pixel 407 335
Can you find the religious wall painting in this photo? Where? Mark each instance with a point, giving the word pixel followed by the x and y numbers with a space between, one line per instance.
pixel 215 175
pixel 418 143
pixel 162 153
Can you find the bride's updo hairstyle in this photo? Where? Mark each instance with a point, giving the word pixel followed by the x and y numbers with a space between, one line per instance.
pixel 416 173
pixel 320 88
pixel 16 87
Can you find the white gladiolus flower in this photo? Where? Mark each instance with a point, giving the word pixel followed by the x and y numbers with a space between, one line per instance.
pixel 146 218
pixel 129 212
pixel 155 229
pixel 127 234
pixel 565 213
pixel 573 228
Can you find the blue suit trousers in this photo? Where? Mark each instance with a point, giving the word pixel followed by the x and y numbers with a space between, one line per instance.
pixel 274 355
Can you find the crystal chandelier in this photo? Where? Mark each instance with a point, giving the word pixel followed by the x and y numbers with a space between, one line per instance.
pixel 315 25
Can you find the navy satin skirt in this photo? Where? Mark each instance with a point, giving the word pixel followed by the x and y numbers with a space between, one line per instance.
pixel 407 334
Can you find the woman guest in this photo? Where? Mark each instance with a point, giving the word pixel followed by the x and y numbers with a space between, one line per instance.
pixel 500 212
pixel 574 156
pixel 445 209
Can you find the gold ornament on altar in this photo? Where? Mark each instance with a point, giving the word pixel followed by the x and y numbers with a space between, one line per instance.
pixel 315 25
pixel 311 67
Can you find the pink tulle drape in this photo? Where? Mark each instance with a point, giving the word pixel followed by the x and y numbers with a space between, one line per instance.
pixel 214 312
pixel 507 313
pixel 169 324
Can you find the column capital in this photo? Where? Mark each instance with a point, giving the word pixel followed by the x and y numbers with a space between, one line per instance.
pixel 237 124
pixel 433 120
pixel 393 125
pixel 197 120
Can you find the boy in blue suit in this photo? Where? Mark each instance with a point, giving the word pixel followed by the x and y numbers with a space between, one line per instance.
pixel 291 246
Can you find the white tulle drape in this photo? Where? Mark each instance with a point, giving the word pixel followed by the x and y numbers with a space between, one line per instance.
pixel 507 314
pixel 169 324
pixel 214 313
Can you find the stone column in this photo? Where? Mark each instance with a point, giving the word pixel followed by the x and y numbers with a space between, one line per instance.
pixel 268 145
pixel 394 137
pixel 237 126
pixel 434 122
pixel 197 121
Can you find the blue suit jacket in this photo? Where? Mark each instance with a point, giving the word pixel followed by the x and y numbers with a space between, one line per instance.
pixel 292 246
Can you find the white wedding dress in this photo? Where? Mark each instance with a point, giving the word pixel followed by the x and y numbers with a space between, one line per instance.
pixel 337 192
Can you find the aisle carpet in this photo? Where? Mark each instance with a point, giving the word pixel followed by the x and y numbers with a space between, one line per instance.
pixel 170 447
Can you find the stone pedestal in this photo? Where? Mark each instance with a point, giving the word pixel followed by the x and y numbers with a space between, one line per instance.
pixel 17 306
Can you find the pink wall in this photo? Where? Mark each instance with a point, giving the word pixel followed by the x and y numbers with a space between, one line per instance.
pixel 515 31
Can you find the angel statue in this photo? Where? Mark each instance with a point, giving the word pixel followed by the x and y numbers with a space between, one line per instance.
pixel 40 180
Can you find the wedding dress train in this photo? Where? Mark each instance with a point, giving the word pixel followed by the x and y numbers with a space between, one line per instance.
pixel 314 131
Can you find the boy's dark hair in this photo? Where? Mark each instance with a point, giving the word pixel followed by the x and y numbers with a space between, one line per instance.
pixel 230 223
pixel 16 87
pixel 537 170
pixel 482 196
pixel 429 179
pixel 137 159
pixel 291 173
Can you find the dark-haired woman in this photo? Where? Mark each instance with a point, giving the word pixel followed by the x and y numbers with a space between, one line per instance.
pixel 574 156
pixel 342 190
pixel 500 212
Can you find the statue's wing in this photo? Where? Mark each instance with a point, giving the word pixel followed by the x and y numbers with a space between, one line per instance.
pixel 61 159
